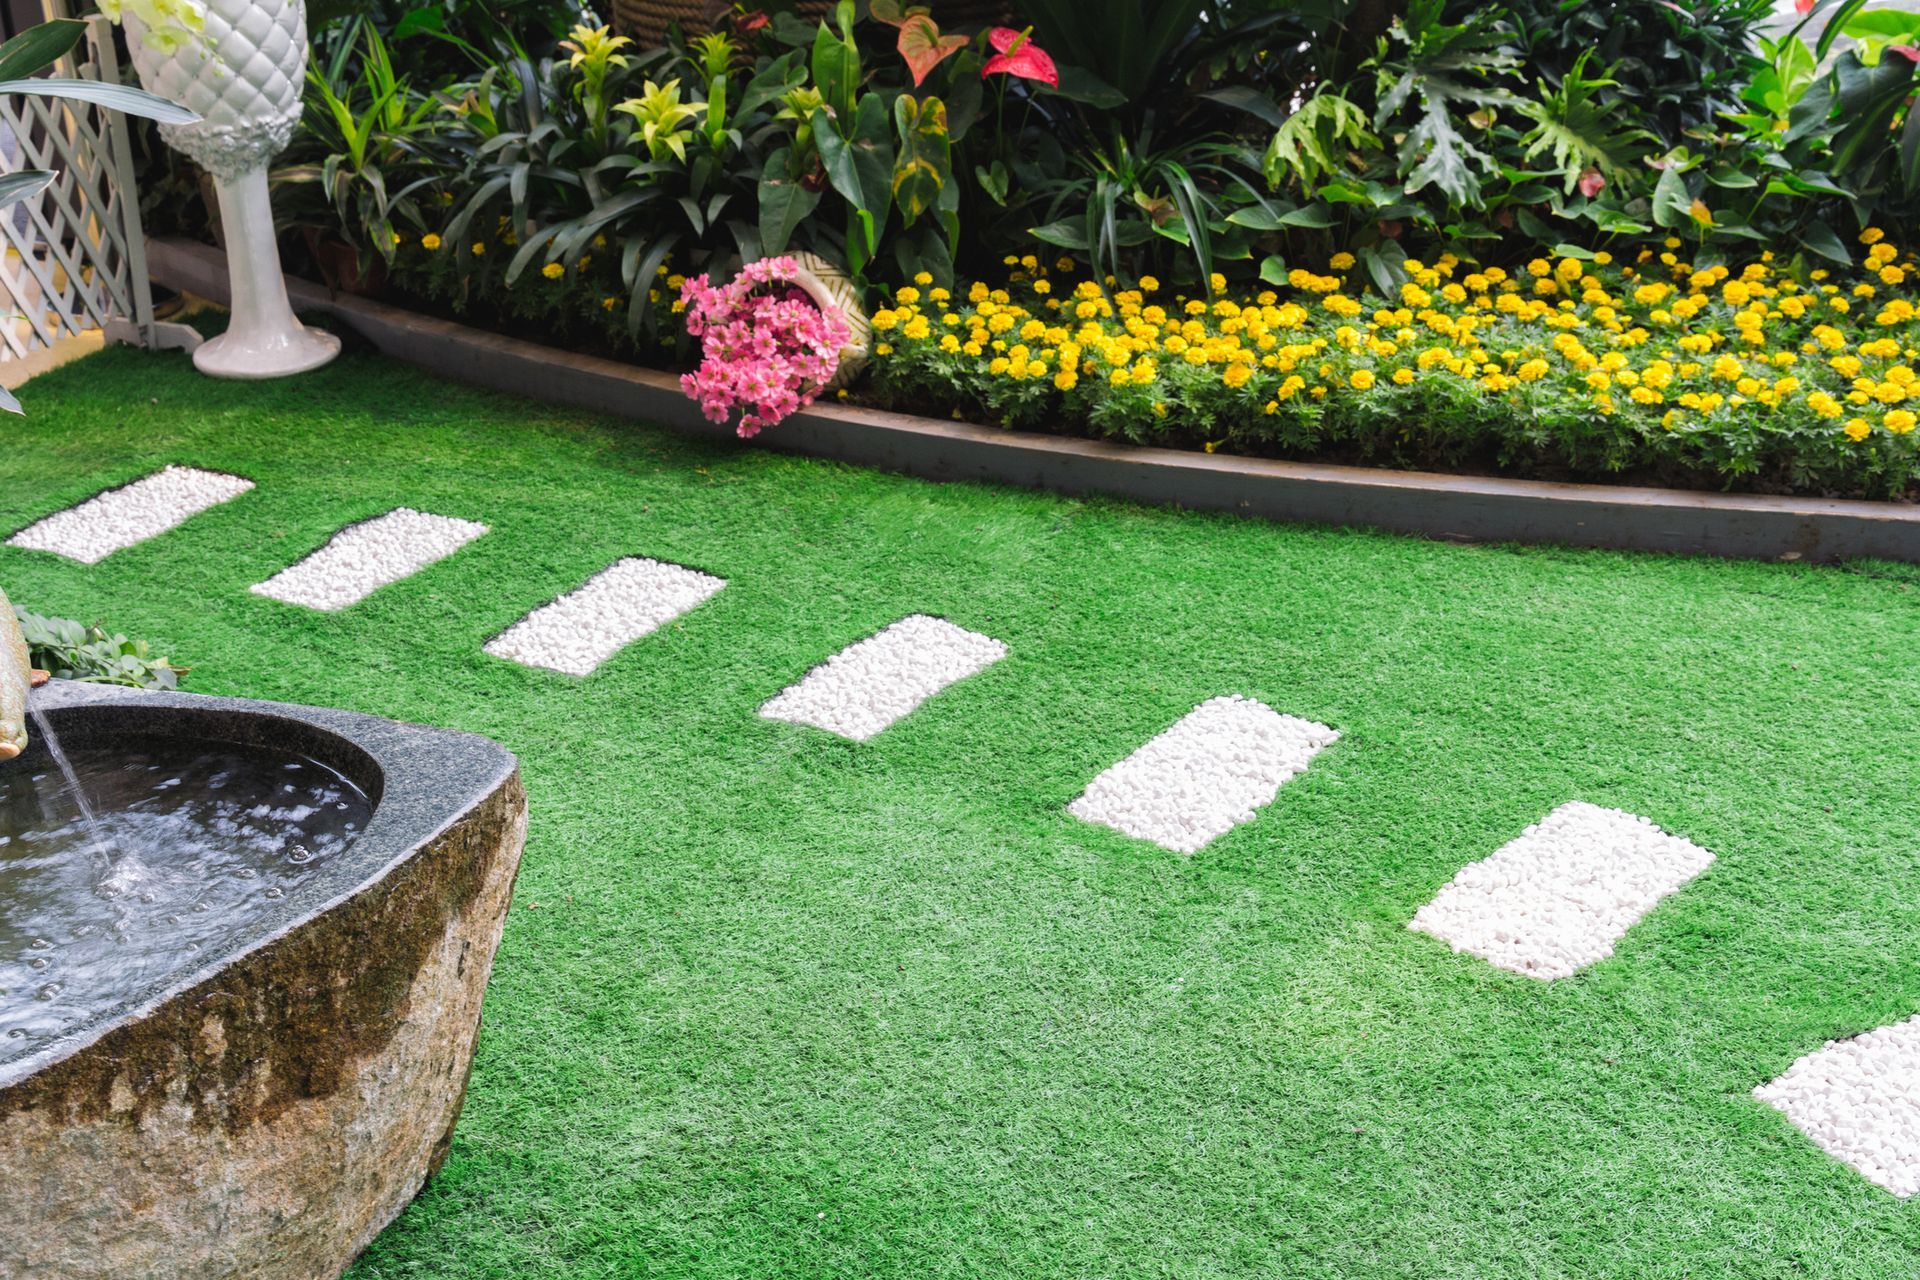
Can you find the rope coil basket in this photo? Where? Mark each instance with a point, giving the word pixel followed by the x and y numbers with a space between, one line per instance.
pixel 646 21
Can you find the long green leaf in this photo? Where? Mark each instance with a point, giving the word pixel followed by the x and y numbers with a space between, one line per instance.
pixel 114 97
pixel 39 47
pixel 15 187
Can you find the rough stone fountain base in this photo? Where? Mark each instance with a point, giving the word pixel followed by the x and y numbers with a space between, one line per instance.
pixel 266 1112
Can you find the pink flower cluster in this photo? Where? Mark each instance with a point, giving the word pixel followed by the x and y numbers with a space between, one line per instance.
pixel 766 349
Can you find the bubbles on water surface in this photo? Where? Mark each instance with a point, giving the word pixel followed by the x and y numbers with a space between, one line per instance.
pixel 196 840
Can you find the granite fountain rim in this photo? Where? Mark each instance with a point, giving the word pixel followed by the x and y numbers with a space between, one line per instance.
pixel 428 780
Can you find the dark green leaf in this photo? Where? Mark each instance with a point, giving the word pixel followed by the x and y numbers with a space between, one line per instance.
pixel 39 47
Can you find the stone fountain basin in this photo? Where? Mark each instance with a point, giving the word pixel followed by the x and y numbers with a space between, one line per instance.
pixel 267 1111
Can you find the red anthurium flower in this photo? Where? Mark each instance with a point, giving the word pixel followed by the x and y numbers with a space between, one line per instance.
pixel 1018 55
pixel 1803 6
pixel 1591 183
pixel 924 48
pixel 1907 51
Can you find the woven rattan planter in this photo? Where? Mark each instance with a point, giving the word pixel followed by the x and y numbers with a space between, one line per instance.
pixel 647 20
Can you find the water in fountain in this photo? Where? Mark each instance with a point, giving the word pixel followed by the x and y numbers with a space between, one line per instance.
pixel 207 840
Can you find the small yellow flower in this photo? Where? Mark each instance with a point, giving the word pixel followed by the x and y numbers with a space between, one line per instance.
pixel 553 271
pixel 430 242
pixel 479 249
pixel 1857 429
pixel 1362 379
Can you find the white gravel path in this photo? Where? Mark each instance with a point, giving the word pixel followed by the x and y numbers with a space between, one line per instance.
pixel 1205 775
pixel 364 557
pixel 617 606
pixel 867 686
pixel 1558 897
pixel 119 518
pixel 1859 1100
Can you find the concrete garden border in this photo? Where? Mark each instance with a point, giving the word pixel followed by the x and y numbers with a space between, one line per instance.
pixel 1459 508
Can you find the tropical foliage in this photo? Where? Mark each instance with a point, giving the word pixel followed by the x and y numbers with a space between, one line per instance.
pixel 566 182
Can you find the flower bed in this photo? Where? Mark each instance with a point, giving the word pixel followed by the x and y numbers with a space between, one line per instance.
pixel 1710 375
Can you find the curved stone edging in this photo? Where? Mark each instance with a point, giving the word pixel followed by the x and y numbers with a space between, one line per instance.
pixel 1459 508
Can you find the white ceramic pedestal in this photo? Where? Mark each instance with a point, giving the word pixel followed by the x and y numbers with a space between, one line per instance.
pixel 264 339
pixel 243 75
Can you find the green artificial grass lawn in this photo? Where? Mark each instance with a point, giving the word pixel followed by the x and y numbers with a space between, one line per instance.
pixel 775 1004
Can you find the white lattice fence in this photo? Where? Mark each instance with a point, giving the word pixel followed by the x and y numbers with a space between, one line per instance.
pixel 74 257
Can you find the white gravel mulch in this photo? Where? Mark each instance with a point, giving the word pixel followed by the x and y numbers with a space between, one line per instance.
pixel 1859 1100
pixel 112 521
pixel 620 604
pixel 1559 896
pixel 1205 775
pixel 869 685
pixel 362 558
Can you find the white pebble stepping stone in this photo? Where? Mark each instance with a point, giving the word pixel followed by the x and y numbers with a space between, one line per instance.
pixel 119 518
pixel 867 686
pixel 1859 1100
pixel 1557 898
pixel 1204 776
pixel 362 558
pixel 617 606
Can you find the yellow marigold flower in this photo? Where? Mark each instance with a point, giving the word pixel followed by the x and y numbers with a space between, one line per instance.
pixel 1899 421
pixel 1066 379
pixel 1341 262
pixel 553 271
pixel 1824 405
pixel 479 248
pixel 1361 380
pixel 885 319
pixel 1403 377
pixel 1042 287
pixel 430 242
pixel 1857 429
pixel 1236 376
pixel 1872 235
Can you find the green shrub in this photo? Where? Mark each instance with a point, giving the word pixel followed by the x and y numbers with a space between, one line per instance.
pixel 70 650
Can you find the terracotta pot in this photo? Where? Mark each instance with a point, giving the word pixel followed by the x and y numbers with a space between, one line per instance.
pixel 341 268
